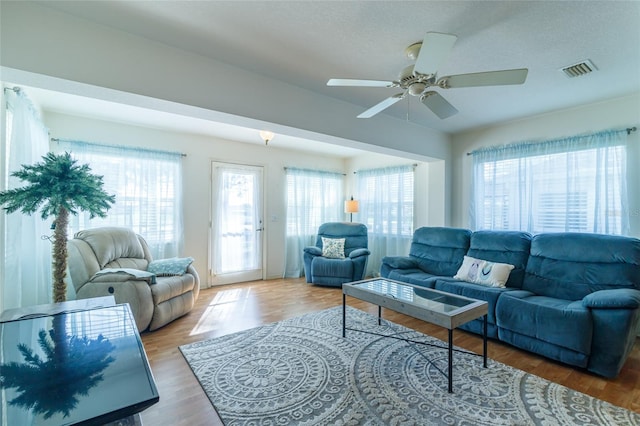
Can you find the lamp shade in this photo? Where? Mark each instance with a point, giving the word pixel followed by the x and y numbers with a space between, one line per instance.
pixel 351 206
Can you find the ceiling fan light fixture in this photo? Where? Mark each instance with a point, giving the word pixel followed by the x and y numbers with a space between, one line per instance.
pixel 416 89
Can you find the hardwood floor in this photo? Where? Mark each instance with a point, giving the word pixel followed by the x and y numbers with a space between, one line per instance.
pixel 228 309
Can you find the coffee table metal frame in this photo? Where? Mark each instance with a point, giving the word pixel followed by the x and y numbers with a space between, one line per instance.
pixel 434 306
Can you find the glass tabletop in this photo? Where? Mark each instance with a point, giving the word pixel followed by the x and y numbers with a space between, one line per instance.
pixel 433 300
pixel 85 367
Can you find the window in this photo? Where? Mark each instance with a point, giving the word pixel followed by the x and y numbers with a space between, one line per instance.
pixel 569 185
pixel 386 207
pixel 313 198
pixel 386 200
pixel 147 185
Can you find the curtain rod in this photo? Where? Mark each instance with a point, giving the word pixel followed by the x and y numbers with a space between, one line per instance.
pixel 115 146
pixel 629 130
pixel 414 165
pixel 313 170
pixel 15 89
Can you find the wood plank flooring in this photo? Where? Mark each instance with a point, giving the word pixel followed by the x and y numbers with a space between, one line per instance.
pixel 228 309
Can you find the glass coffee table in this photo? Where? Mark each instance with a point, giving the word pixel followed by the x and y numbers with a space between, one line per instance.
pixel 436 307
pixel 74 367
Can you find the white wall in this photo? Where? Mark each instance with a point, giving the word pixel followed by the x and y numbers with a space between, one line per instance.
pixel 617 113
pixel 201 151
pixel 43 41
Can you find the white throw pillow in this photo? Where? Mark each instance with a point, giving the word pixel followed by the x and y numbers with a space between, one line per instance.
pixel 483 272
pixel 333 248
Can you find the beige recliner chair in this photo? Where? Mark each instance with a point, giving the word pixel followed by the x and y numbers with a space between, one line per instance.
pixel 116 261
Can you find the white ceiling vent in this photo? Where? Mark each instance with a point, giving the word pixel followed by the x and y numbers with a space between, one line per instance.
pixel 579 69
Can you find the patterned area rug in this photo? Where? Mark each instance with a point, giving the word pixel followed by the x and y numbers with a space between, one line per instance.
pixel 302 372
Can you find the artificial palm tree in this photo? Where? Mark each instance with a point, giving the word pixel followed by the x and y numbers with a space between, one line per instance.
pixel 58 186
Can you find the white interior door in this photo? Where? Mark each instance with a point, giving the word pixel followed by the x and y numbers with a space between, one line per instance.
pixel 237 225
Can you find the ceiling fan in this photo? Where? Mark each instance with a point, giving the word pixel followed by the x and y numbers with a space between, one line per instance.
pixel 419 78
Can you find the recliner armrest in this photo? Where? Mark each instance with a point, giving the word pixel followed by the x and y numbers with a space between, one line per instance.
pixel 122 275
pixel 400 262
pixel 313 250
pixel 621 298
pixel 359 252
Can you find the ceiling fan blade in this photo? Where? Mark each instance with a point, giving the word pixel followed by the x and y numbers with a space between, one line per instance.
pixel 434 51
pixel 381 106
pixel 438 105
pixel 490 78
pixel 359 83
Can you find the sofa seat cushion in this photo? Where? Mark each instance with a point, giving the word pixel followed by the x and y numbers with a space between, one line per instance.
pixel 563 323
pixel 474 291
pixel 413 276
pixel 169 287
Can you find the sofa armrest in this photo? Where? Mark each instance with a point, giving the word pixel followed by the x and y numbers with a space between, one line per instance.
pixel 313 250
pixel 615 315
pixel 622 298
pixel 122 275
pixel 196 289
pixel 359 252
pixel 400 262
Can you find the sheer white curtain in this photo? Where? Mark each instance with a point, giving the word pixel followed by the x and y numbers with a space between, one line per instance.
pixel 148 189
pixel 572 184
pixel 386 207
pixel 27 257
pixel 313 198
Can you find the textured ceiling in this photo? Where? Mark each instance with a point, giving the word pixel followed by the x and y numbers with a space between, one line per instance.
pixel 304 43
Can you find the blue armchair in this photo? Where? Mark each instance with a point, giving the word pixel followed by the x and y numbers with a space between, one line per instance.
pixel 326 264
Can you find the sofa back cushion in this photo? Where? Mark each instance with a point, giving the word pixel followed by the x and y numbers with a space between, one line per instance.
pixel 571 265
pixel 109 244
pixel 511 247
pixel 438 250
pixel 354 234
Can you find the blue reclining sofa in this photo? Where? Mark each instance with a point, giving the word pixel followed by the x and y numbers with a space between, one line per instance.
pixel 571 297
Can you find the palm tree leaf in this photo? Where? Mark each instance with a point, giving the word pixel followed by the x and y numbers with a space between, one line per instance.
pixel 54 183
